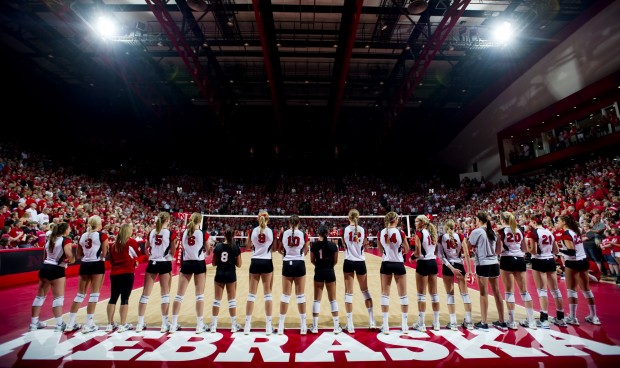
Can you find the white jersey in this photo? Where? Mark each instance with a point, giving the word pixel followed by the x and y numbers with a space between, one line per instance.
pixel 261 243
pixel 512 242
pixel 580 253
pixel 450 247
pixel 91 244
pixel 391 241
pixel 483 247
pixel 544 243
pixel 57 256
pixel 160 245
pixel 428 248
pixel 293 244
pixel 354 250
pixel 194 245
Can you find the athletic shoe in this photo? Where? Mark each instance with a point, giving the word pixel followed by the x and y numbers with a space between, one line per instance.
pixel 314 329
pixel 419 326
pixel 593 320
pixel 235 327
pixel 372 326
pixel 213 327
pixel 268 329
pixel 350 329
pixel 75 327
pixel 481 326
pixel 436 326
pixel 512 325
pixel 385 330
pixel 174 328
pixel 125 327
pixel 201 328
pixel 140 327
pixel 89 328
pixel 303 329
pixel 500 325
pixel 468 325
pixel 527 324
pixel 404 328
pixel 37 326
pixel 572 321
pixel 247 328
pixel 111 327
pixel 61 327
pixel 543 324
pixel 337 330
pixel 558 322
pixel 452 326
pixel 280 331
pixel 165 327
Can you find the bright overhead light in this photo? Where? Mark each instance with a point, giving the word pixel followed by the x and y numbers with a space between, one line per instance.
pixel 105 26
pixel 504 32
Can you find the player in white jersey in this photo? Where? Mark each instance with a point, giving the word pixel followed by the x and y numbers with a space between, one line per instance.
pixel 260 242
pixel 58 252
pixel 353 237
pixel 455 258
pixel 483 243
pixel 293 246
pixel 576 269
pixel 513 269
pixel 92 249
pixel 160 247
pixel 193 264
pixel 543 248
pixel 393 244
pixel 426 271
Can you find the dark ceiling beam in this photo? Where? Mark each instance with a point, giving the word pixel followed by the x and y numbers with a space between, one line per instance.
pixel 427 54
pixel 346 40
pixel 188 56
pixel 266 32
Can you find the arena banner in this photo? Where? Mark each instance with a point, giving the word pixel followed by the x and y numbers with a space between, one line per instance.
pixel 365 348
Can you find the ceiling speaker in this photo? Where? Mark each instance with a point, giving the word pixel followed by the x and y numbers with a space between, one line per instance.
pixel 417 6
pixel 197 5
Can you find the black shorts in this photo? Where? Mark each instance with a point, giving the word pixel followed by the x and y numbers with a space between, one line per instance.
pixel 193 267
pixel 512 263
pixel 51 272
pixel 448 272
pixel 543 265
pixel 92 268
pixel 358 267
pixel 294 268
pixel 226 276
pixel 395 268
pixel 260 265
pixel 582 265
pixel 159 267
pixel 426 267
pixel 488 271
pixel 325 275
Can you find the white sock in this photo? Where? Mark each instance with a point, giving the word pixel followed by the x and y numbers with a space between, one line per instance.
pixel 436 317
pixel 315 321
pixel 89 319
pixel 336 321
pixel 421 317
pixel 140 320
pixel 468 317
pixel 58 320
pixel 371 315
pixel 164 320
pixel 199 321
pixel 385 315
pixel 175 319
pixel 452 317
pixel 71 319
pixel 592 308
pixel 34 320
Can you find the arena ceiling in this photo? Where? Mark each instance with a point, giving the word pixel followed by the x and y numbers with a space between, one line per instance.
pixel 274 77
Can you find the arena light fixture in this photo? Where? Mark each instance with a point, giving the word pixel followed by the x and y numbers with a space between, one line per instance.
pixel 504 32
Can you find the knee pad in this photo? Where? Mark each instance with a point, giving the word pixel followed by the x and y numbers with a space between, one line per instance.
pixel 434 298
pixel 200 298
pixel 79 298
pixel 334 305
pixel 572 293
pixel 587 294
pixel 38 301
pixel 542 293
pixel 316 306
pixel 165 299
pixel 144 299
pixel 404 300
pixel 216 303
pixel 179 298
pixel 556 294
pixel 466 298
pixel 348 298
pixel 421 298
pixel 385 300
pixel 268 297
pixel 510 297
pixel 251 297
pixel 285 298
pixel 93 298
pixel 366 294
pixel 451 299
pixel 58 301
pixel 232 303
pixel 301 299
pixel 526 297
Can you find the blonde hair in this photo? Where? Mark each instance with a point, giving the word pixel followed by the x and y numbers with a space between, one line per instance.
pixel 389 218
pixel 94 222
pixel 124 233
pixel 450 227
pixel 194 221
pixel 162 217
pixel 354 216
pixel 263 219
pixel 510 219
pixel 429 226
